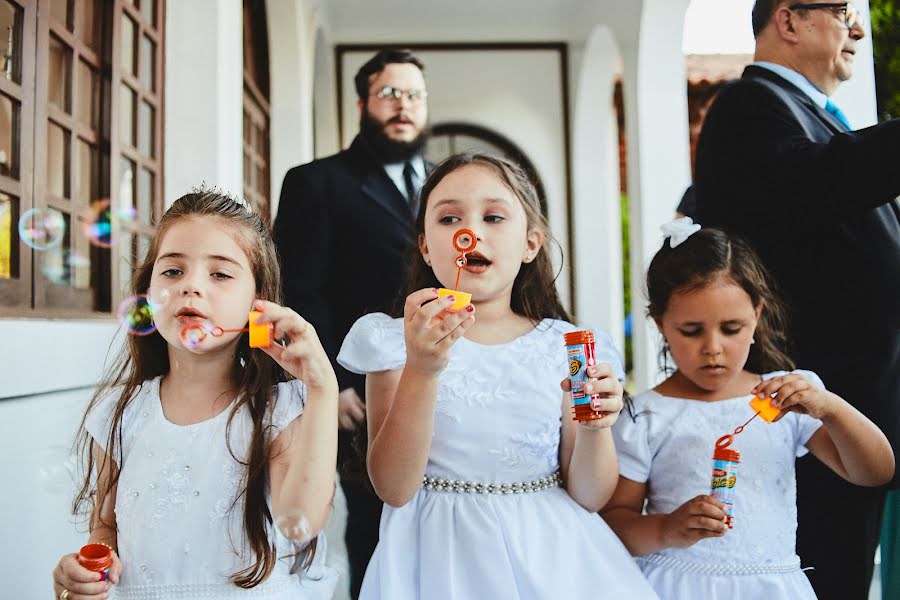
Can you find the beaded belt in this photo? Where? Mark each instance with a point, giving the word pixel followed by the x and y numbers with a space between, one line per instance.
pixel 454 485
pixel 718 569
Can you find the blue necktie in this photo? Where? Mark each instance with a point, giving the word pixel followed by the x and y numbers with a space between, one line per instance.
pixel 838 114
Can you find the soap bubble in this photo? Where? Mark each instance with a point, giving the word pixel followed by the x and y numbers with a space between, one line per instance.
pixel 135 314
pixel 193 335
pixel 295 527
pixel 60 266
pixel 100 222
pixel 157 298
pixel 56 469
pixel 42 228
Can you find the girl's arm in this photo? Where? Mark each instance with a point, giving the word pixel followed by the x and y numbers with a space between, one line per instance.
pixel 849 443
pixel 69 574
pixel 303 455
pixel 400 403
pixel 699 518
pixel 587 453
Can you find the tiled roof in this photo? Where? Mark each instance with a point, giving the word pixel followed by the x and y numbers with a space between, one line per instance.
pixel 713 68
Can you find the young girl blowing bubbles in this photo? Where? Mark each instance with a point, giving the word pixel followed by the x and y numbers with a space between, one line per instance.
pixel 723 326
pixel 490 486
pixel 201 472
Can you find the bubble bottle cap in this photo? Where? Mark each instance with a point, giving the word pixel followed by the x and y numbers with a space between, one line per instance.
pixel 260 335
pixel 764 407
pixel 574 338
pixel 95 557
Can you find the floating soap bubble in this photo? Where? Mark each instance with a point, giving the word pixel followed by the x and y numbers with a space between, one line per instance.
pixel 55 469
pixel 42 228
pixel 135 314
pixel 193 335
pixel 100 222
pixel 158 297
pixel 60 266
pixel 295 527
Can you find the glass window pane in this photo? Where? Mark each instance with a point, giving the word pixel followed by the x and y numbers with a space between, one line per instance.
pixel 126 108
pixel 88 26
pixel 53 261
pixel 9 137
pixel 9 218
pixel 148 9
pixel 59 10
pixel 87 98
pixel 11 40
pixel 148 62
pixel 248 170
pixel 85 172
pixel 129 41
pixel 126 188
pixel 126 260
pixel 145 196
pixel 145 129
pixel 59 62
pixel 57 160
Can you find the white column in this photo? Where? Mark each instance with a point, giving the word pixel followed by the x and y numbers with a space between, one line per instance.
pixel 597 220
pixel 203 96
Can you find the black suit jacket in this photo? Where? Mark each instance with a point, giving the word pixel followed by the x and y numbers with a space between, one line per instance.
pixel 342 232
pixel 818 205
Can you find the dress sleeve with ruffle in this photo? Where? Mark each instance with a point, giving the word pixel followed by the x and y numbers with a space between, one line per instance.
pixel 804 425
pixel 290 398
pixel 374 343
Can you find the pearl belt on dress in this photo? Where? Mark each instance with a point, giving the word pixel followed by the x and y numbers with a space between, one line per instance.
pixel 471 487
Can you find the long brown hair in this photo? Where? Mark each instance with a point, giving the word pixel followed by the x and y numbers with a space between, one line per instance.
pixel 534 291
pixel 699 260
pixel 146 357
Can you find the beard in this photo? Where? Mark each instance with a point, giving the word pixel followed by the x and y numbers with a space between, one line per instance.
pixel 387 149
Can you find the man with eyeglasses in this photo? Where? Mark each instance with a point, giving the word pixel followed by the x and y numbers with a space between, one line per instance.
pixel 343 228
pixel 779 164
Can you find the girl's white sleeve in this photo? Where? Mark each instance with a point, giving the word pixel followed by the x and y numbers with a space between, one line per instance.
pixel 99 420
pixel 632 438
pixel 374 343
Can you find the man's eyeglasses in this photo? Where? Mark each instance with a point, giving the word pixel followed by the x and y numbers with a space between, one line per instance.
pixel 847 10
pixel 391 93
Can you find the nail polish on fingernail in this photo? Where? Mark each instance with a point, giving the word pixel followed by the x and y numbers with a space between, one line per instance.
pixel 451 298
pixel 470 308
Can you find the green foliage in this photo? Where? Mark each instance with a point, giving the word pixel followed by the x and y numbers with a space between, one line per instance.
pixel 885 15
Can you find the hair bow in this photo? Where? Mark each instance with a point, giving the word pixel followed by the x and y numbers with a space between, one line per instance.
pixel 679 230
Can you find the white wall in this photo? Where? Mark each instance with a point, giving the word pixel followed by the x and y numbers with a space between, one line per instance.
pixel 515 93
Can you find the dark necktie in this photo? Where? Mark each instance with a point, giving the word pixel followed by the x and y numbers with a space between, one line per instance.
pixel 410 188
pixel 838 114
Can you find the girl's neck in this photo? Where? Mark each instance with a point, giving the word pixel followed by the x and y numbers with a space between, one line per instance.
pixel 197 387
pixel 496 323
pixel 679 386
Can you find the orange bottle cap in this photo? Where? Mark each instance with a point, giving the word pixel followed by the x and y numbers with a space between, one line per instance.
pixel 260 335
pixel 573 338
pixel 460 299
pixel 763 406
pixel 95 557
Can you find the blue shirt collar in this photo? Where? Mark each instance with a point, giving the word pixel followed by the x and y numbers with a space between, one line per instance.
pixel 814 93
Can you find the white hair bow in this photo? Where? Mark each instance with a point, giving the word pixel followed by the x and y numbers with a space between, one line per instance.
pixel 679 230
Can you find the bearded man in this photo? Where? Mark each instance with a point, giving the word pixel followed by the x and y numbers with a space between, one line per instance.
pixel 343 229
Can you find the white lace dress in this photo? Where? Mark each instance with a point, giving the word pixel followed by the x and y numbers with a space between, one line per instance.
pixel 669 445
pixel 497 421
pixel 179 536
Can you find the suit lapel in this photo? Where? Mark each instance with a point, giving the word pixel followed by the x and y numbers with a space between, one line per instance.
pixel 827 119
pixel 375 184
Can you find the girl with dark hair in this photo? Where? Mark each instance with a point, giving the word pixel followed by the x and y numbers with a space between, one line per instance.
pixel 209 469
pixel 491 488
pixel 723 327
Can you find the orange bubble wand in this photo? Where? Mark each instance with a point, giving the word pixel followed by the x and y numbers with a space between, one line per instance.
pixel 464 241
pixel 260 335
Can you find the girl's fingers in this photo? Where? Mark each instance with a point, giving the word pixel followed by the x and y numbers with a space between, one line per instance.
pixel 789 393
pixel 427 316
pixel 707 523
pixel 415 301
pixel 566 385
pixel 458 331
pixel 600 371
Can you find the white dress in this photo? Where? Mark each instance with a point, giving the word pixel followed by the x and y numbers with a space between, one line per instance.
pixel 669 443
pixel 178 535
pixel 497 420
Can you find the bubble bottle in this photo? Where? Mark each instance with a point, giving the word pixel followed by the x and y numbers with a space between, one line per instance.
pixel 724 475
pixel 97 558
pixel 464 241
pixel 580 353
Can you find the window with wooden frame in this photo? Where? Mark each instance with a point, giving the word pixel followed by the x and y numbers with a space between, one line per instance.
pixel 80 160
pixel 256 107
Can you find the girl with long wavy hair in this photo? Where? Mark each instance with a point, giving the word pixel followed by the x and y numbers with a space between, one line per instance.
pixel 490 487
pixel 209 466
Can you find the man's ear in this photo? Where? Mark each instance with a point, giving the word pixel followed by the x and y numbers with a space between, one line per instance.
pixel 359 106
pixel 785 21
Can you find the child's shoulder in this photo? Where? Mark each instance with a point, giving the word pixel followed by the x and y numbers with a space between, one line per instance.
pixel 100 414
pixel 811 376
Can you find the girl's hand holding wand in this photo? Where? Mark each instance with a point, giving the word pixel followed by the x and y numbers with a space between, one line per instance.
pixel 431 329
